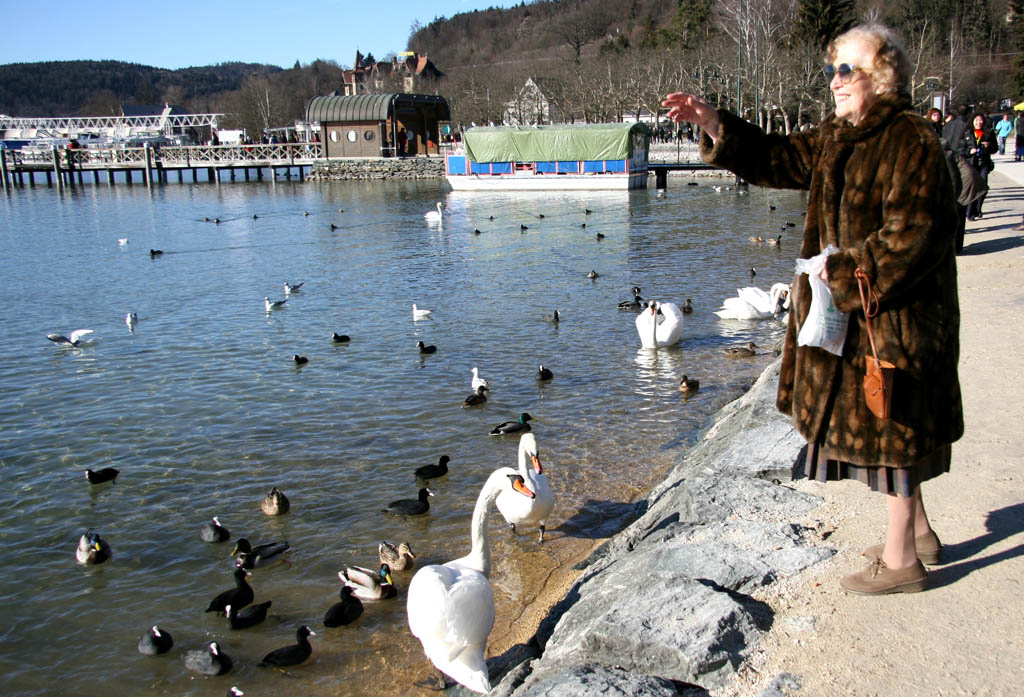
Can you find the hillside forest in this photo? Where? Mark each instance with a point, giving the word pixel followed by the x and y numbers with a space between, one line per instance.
pixel 598 60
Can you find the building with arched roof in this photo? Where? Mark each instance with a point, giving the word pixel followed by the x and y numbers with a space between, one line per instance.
pixel 369 125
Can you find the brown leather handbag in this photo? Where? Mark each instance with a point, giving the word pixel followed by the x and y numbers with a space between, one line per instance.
pixel 878 373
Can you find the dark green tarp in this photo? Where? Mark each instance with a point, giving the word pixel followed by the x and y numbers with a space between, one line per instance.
pixel 602 141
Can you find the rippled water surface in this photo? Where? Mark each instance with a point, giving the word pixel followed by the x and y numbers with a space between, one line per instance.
pixel 203 409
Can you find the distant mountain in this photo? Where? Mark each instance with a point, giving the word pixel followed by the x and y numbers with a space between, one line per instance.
pixel 98 88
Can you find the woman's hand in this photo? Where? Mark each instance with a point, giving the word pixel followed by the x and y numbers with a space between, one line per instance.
pixel 689 107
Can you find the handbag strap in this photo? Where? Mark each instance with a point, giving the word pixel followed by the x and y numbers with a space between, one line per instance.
pixel 869 301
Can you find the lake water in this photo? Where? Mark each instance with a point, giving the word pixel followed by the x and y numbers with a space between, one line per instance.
pixel 203 409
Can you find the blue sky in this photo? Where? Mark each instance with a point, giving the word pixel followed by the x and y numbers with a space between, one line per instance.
pixel 184 33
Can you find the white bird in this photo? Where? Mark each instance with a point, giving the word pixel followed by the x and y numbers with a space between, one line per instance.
pixel 75 340
pixel 273 304
pixel 519 507
pixel 478 381
pixel 450 606
pixel 131 319
pixel 753 303
pixel 290 288
pixel 434 216
pixel 418 313
pixel 122 241
pixel 660 325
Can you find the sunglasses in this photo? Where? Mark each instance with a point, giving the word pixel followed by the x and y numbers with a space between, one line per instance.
pixel 845 72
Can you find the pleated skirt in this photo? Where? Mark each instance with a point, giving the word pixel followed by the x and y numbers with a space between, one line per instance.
pixel 902 481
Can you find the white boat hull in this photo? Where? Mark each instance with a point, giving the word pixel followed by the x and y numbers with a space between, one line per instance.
pixel 548 182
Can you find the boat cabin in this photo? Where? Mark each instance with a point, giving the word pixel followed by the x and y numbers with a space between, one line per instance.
pixel 372 125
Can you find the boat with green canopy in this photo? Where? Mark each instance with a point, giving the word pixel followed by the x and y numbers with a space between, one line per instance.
pixel 559 157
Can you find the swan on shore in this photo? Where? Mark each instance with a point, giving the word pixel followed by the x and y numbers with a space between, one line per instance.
pixel 660 325
pixel 534 505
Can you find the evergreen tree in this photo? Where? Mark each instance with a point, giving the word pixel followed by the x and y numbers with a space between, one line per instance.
pixel 820 21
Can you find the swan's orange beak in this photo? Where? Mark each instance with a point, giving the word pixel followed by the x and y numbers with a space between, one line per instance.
pixel 518 485
pixel 537 467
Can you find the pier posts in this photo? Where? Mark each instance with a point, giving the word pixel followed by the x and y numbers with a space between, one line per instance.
pixel 56 165
pixel 3 168
pixel 147 173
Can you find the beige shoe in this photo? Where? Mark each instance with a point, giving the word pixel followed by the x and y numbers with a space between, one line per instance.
pixel 927 546
pixel 878 579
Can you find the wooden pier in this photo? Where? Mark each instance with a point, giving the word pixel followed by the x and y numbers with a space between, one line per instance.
pixel 65 166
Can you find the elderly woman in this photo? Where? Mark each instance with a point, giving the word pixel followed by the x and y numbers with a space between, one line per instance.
pixel 880 191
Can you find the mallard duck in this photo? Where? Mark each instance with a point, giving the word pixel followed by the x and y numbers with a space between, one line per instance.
pixel 249 617
pixel 368 584
pixel 426 348
pixel 686 384
pixel 213 531
pixel 776 242
pixel 475 399
pixel 757 239
pixel 275 503
pixel 92 549
pixel 688 307
pixel 635 304
pixel 400 558
pixel 271 305
pixel 741 351
pixel 293 654
pixel 508 428
pixel 532 502
pixel 208 661
pixel 107 474
pixel 155 641
pixel 417 506
pixel 75 339
pixel 344 612
pixel 433 471
pixel 239 596
pixel 544 373
pixel 249 556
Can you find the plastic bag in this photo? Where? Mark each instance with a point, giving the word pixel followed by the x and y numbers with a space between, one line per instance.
pixel 825 326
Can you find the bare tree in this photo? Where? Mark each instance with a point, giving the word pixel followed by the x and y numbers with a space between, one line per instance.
pixel 581 27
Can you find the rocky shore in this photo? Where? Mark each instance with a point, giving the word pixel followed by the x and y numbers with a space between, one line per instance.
pixel 667 606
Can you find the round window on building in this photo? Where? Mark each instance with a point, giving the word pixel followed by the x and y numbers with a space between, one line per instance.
pixel 334 136
pixel 368 135
pixel 352 136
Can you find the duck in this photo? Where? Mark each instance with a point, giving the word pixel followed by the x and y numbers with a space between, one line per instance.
pixel 154 253
pixel 478 381
pixel 155 642
pixel 434 216
pixel 417 313
pixel 213 531
pixel 249 617
pixel 92 549
pixel 741 351
pixel 290 288
pixel 635 304
pixel 416 506
pixel 599 236
pixel 131 319
pixel 687 384
pixel 74 340
pixel 554 318
pixel 688 307
pixel 757 239
pixel 426 348
pixel 340 338
pixel 433 471
pixel 593 274
pixel 293 654
pixel 367 584
pixel 107 474
pixel 534 501
pixel 476 398
pixel 523 228
pixel 271 305
pixel 508 428
pixel 122 241
pixel 250 556
pixel 543 373
pixel 239 596
pixel 776 242
pixel 400 558
pixel 660 325
pixel 275 503
pixel 450 606
pixel 208 661
pixel 300 360
pixel 344 612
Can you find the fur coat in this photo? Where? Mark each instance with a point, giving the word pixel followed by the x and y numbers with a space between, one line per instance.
pixel 880 191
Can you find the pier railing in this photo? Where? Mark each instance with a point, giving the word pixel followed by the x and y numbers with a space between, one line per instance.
pixel 172 156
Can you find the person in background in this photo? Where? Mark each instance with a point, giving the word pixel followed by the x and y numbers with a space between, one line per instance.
pixel 1018 149
pixel 1003 128
pixel 976 147
pixel 935 119
pixel 403 142
pixel 878 189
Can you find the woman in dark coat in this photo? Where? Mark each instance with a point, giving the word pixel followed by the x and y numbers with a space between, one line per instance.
pixel 880 191
pixel 976 148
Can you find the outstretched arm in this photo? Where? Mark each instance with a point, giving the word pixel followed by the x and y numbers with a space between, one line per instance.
pixel 689 107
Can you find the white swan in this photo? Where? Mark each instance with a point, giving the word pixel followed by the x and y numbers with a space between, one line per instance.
pixel 518 507
pixel 418 313
pixel 659 325
pixel 434 216
pixel 754 303
pixel 478 381
pixel 451 606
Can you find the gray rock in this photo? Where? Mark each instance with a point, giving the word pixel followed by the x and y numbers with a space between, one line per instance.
pixel 784 685
pixel 592 680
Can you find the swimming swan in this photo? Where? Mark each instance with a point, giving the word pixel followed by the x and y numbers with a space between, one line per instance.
pixel 450 606
pixel 659 325
pixel 753 303
pixel 517 506
pixel 434 216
